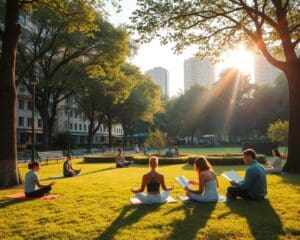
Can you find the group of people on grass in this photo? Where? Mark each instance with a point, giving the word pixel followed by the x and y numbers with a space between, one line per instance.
pixel 172 152
pixel 254 185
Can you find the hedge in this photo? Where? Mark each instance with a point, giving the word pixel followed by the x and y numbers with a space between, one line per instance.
pixel 215 160
pixel 261 147
pixel 103 159
pixel 229 159
pixel 164 160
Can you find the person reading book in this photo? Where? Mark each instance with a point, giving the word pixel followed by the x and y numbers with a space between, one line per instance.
pixel 207 182
pixel 32 187
pixel 153 180
pixel 254 185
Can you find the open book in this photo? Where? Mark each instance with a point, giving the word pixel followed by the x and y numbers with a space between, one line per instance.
pixel 232 176
pixel 183 181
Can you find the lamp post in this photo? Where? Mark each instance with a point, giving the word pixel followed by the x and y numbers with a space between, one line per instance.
pixel 34 82
pixel 68 110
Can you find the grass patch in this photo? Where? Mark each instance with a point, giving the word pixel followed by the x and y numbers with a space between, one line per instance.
pixel 96 206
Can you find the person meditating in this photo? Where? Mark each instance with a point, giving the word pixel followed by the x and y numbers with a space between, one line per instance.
pixel 32 187
pixel 153 180
pixel 120 159
pixel 207 182
pixel 68 170
pixel 274 166
pixel 254 185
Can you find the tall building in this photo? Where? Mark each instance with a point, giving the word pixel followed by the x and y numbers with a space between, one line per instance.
pixel 198 72
pixel 264 72
pixel 161 77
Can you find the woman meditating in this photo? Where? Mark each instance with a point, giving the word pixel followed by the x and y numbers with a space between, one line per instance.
pixel 207 182
pixel 153 180
pixel 33 188
pixel 274 166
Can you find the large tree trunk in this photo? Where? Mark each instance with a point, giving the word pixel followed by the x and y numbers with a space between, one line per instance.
pixel 9 174
pixel 91 135
pixel 293 159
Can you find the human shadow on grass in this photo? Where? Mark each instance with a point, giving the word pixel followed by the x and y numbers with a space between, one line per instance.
pixel 126 220
pixel 196 217
pixel 263 221
pixel 7 202
pixel 80 175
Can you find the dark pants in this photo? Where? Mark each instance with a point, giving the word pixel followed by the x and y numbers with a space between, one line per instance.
pixel 234 192
pixel 39 193
pixel 122 165
pixel 71 173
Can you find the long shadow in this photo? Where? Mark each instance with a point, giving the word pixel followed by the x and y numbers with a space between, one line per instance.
pixel 291 178
pixel 82 174
pixel 7 202
pixel 121 221
pixel 196 217
pixel 262 219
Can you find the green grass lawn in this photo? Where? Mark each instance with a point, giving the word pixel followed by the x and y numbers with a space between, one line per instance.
pixel 96 206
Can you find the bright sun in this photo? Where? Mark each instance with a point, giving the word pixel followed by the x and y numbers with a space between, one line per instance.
pixel 238 58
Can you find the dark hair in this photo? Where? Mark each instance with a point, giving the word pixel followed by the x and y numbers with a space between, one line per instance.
pixel 201 164
pixel 120 149
pixel 250 152
pixel 69 155
pixel 277 153
pixel 31 165
pixel 176 148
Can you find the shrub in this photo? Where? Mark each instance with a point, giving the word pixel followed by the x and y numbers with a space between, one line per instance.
pixel 224 160
pixel 103 159
pixel 261 147
pixel 163 160
pixel 64 140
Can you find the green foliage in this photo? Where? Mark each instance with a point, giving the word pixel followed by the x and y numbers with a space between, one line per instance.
pixel 64 140
pixel 278 131
pixel 156 139
pixel 104 159
pixel 101 195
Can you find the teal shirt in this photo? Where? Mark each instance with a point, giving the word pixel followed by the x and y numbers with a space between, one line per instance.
pixel 255 180
pixel 31 179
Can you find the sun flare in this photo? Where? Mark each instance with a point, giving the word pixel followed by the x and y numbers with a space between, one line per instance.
pixel 238 58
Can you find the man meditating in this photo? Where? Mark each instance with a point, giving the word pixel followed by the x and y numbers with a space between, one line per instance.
pixel 68 170
pixel 254 186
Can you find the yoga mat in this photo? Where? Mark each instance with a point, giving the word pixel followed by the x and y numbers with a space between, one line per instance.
pixel 21 196
pixel 186 199
pixel 136 201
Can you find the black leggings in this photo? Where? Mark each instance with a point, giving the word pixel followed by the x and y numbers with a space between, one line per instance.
pixel 39 193
pixel 235 192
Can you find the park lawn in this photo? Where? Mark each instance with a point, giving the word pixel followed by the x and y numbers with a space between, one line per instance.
pixel 96 206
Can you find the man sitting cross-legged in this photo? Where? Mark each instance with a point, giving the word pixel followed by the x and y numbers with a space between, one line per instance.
pixel 254 186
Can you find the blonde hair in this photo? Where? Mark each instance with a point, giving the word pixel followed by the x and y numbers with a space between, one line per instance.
pixel 153 161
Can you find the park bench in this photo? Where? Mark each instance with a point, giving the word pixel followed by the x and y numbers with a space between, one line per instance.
pixel 55 155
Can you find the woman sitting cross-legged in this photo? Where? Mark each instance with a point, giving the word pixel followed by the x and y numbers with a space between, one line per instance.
pixel 153 180
pixel 207 182
pixel 33 188
pixel 274 166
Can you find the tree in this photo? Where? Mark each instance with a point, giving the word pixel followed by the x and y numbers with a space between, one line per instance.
pixel 93 47
pixel 156 139
pixel 9 35
pixel 215 26
pixel 142 104
pixel 278 131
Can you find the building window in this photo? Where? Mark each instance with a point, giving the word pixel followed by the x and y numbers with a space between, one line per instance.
pixel 71 126
pixel 40 124
pixel 29 122
pixel 80 127
pixel 66 113
pixel 21 121
pixel 66 125
pixel 75 126
pixel 29 105
pixel 71 113
pixel 21 104
pixel 84 127
pixel 76 113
